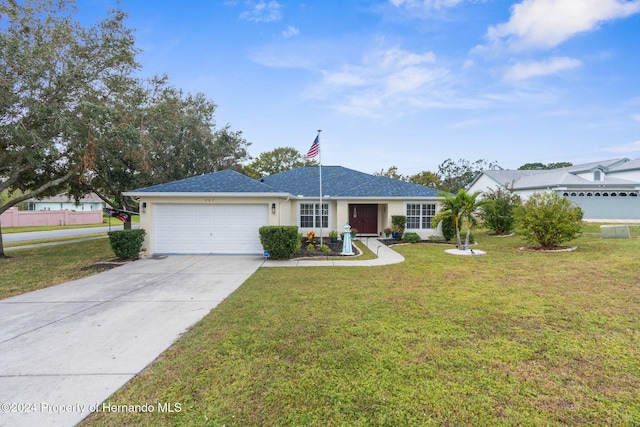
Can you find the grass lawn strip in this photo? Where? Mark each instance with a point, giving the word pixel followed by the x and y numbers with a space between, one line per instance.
pixel 31 269
pixel 511 338
pixel 53 240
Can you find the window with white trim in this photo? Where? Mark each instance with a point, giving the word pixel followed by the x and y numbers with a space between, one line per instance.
pixel 310 215
pixel 419 215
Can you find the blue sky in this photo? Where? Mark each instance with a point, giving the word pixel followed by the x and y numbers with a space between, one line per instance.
pixel 408 83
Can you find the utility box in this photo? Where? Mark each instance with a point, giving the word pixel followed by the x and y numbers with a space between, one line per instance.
pixel 615 232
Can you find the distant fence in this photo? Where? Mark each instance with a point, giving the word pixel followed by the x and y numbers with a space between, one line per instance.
pixel 12 217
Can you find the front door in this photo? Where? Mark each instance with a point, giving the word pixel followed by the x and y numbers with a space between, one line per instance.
pixel 364 218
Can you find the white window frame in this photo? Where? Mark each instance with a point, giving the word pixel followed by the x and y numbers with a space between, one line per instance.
pixel 303 206
pixel 427 211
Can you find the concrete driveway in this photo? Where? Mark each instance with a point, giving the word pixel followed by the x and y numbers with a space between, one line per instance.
pixel 65 349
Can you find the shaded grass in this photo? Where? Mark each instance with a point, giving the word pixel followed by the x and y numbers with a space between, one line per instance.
pixel 512 338
pixel 27 270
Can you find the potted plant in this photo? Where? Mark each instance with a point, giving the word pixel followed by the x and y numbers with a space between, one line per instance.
pixel 333 235
pixel 354 232
pixel 387 232
pixel 397 225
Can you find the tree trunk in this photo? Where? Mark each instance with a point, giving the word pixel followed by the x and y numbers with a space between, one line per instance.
pixel 127 223
pixel 2 255
pixel 457 225
pixel 466 239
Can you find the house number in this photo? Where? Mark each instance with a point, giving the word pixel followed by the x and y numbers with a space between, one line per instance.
pixel 208 199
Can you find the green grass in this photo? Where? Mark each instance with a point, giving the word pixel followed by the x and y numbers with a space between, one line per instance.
pixel 8 230
pixel 53 240
pixel 511 338
pixel 27 270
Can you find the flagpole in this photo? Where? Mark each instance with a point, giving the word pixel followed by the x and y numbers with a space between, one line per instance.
pixel 320 170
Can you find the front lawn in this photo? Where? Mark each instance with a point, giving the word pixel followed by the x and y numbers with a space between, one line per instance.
pixel 511 338
pixel 31 269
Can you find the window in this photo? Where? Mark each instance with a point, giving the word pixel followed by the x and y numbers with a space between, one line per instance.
pixel 419 215
pixel 310 215
pixel 597 175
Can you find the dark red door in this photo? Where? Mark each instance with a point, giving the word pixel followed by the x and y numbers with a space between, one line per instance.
pixel 364 218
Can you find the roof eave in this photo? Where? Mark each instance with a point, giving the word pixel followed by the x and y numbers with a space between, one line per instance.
pixel 202 194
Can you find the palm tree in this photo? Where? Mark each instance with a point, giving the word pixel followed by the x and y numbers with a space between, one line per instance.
pixel 459 208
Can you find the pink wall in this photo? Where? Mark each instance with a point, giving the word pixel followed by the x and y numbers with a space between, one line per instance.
pixel 12 217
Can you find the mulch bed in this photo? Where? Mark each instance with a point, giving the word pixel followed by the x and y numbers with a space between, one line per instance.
pixel 336 248
pixel 101 266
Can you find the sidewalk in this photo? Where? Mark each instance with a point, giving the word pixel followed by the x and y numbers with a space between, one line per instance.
pixel 385 256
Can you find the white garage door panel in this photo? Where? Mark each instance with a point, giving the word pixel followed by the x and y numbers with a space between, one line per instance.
pixel 209 229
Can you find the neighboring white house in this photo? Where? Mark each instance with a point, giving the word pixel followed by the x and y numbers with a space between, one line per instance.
pixel 90 202
pixel 606 190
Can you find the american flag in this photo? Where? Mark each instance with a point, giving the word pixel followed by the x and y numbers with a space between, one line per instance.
pixel 315 148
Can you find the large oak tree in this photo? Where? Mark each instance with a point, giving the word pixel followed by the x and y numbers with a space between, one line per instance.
pixel 50 66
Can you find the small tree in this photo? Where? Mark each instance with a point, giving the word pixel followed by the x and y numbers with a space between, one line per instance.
pixel 547 219
pixel 458 208
pixel 497 209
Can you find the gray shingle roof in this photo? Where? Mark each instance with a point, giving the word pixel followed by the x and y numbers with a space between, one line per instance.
pixel 226 181
pixel 337 181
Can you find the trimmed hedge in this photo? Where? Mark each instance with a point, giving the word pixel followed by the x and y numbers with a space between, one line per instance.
pixel 282 242
pixel 126 244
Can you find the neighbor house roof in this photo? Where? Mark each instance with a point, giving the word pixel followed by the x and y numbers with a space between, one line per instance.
pixel 337 182
pixel 562 177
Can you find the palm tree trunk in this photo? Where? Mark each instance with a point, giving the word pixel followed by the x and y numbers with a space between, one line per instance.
pixel 466 239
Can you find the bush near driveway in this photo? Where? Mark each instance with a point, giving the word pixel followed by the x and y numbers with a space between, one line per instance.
pixel 513 338
pixel 281 242
pixel 126 244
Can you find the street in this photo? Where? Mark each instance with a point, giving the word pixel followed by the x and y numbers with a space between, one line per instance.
pixel 53 234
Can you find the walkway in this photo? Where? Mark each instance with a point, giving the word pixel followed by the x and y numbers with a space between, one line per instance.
pixel 385 256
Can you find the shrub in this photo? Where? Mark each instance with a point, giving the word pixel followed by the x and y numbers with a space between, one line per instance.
pixel 548 220
pixel 437 239
pixel 448 228
pixel 325 249
pixel 411 237
pixel 126 244
pixel 311 249
pixel 497 209
pixel 398 222
pixel 281 242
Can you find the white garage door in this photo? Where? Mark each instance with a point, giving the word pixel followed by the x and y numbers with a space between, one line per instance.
pixel 209 229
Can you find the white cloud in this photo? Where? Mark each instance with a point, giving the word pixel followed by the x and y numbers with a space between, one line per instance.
pixel 262 11
pixel 632 147
pixel 290 32
pixel 386 82
pixel 543 24
pixel 526 70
